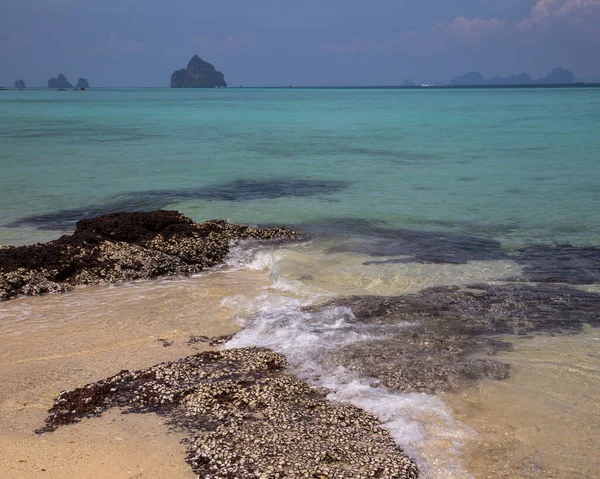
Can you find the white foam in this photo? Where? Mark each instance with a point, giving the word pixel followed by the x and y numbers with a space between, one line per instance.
pixel 304 274
pixel 420 423
pixel 250 255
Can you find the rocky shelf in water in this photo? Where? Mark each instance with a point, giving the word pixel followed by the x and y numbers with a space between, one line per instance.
pixel 123 247
pixel 245 416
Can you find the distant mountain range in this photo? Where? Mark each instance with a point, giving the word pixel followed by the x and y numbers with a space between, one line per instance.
pixel 558 76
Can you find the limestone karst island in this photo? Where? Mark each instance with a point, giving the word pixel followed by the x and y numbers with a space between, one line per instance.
pixel 61 82
pixel 198 74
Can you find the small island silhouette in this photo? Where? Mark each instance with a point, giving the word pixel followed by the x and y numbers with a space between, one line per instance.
pixel 198 74
pixel 558 76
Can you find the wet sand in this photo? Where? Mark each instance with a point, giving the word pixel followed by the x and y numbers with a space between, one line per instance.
pixel 544 420
pixel 63 341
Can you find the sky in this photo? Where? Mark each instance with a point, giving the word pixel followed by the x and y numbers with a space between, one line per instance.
pixel 127 43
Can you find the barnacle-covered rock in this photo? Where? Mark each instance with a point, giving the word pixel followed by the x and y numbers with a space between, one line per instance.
pixel 246 417
pixel 123 247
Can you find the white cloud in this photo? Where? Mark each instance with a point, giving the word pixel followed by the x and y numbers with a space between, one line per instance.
pixel 15 42
pixel 465 30
pixel 199 42
pixel 547 11
pixel 442 35
pixel 117 46
pixel 358 45
pixel 243 41
pixel 352 46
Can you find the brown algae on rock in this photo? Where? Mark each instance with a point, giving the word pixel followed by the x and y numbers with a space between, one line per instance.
pixel 123 247
pixel 246 417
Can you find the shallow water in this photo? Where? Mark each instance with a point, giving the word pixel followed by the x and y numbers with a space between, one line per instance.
pixel 395 191
pixel 492 428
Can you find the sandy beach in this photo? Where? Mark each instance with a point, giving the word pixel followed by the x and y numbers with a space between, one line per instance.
pixel 61 342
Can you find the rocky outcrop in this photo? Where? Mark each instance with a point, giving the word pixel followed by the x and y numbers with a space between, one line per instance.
pixel 20 84
pixel 472 78
pixel 245 416
pixel 59 82
pixel 522 79
pixel 122 247
pixel 82 83
pixel 558 76
pixel 451 334
pixel 198 74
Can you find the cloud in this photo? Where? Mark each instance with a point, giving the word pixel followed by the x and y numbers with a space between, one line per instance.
pixel 117 46
pixel 358 45
pixel 442 35
pixel 546 12
pixel 465 30
pixel 243 41
pixel 199 42
pixel 14 43
pixel 355 45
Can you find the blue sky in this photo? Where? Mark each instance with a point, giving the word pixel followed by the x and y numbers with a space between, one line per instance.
pixel 313 42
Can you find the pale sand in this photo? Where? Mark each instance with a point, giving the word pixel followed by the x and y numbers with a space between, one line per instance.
pixel 544 420
pixel 58 342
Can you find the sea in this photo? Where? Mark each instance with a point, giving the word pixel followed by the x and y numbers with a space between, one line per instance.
pixel 475 207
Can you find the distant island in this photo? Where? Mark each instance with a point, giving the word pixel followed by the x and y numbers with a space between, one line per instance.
pixel 20 84
pixel 59 82
pixel 198 74
pixel 558 76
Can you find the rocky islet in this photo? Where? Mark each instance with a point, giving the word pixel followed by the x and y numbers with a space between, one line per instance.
pixel 198 74
pixel 123 247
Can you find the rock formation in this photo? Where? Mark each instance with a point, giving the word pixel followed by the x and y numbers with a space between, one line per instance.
pixel 472 78
pixel 556 77
pixel 245 416
pixel 522 79
pixel 59 82
pixel 198 74
pixel 82 83
pixel 122 247
pixel 20 84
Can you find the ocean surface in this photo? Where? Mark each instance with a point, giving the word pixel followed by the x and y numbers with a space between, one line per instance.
pixel 490 197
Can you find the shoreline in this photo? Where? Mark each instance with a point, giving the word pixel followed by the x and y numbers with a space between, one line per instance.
pixel 122 247
pixel 37 363
pixel 83 336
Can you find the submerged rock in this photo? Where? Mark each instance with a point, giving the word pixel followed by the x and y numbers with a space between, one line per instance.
pixel 82 83
pixel 59 82
pixel 20 84
pixel 122 247
pixel 198 74
pixel 246 417
pixel 444 338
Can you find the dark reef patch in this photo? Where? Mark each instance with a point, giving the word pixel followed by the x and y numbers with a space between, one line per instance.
pixel 560 264
pixel 247 190
pixel 237 190
pixel 444 338
pixel 541 263
pixel 123 247
pixel 246 417
pixel 80 133
pixel 419 246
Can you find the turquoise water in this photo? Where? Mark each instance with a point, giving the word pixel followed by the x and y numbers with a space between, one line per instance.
pixel 399 191
pixel 518 165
